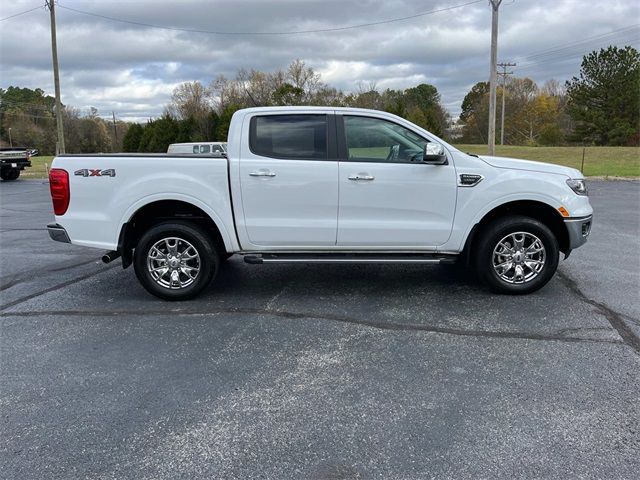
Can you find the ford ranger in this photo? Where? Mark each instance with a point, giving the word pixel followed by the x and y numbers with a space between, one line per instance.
pixel 321 185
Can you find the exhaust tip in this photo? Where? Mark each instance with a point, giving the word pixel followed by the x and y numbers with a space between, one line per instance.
pixel 110 256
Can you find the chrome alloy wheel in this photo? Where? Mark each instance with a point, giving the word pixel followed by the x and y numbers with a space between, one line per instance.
pixel 519 257
pixel 173 263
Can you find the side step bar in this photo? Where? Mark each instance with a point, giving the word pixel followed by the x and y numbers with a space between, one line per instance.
pixel 432 258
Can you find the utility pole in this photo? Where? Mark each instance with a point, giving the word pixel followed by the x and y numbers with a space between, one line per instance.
pixel 10 141
pixel 115 132
pixel 493 78
pixel 504 74
pixel 56 76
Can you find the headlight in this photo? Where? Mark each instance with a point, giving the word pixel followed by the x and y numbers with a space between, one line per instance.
pixel 578 186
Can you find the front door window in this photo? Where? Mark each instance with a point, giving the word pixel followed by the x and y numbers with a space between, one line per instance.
pixel 376 140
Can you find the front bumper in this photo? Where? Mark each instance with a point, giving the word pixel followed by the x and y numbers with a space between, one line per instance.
pixel 579 230
pixel 58 233
pixel 20 164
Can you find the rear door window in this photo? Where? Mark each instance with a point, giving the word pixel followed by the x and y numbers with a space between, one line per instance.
pixel 301 137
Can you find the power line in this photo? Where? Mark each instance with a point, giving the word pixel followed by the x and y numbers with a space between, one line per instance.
pixel 21 13
pixel 556 48
pixel 585 48
pixel 565 57
pixel 632 41
pixel 295 32
pixel 578 50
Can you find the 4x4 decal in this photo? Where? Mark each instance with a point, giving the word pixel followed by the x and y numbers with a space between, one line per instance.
pixel 91 172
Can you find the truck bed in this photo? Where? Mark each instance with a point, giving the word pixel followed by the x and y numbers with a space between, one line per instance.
pixel 108 189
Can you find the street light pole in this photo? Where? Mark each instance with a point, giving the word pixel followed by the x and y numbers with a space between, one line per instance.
pixel 10 141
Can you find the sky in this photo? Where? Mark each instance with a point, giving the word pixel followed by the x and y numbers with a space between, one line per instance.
pixel 132 69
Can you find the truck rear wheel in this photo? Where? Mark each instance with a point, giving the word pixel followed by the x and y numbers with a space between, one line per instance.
pixel 175 260
pixel 10 174
pixel 517 255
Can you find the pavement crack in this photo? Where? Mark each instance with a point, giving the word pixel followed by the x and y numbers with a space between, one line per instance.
pixel 29 274
pixel 615 319
pixel 53 288
pixel 381 325
pixel 567 331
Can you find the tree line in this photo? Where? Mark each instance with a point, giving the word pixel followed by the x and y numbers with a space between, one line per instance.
pixel 600 106
pixel 200 112
pixel 27 118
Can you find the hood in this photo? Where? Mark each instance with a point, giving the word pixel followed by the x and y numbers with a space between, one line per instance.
pixel 517 164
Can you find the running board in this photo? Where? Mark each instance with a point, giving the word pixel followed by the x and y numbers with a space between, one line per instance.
pixel 431 258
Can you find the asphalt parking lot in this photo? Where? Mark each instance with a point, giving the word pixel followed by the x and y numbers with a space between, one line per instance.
pixel 373 371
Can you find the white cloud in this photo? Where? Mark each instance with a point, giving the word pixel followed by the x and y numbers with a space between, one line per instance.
pixel 132 69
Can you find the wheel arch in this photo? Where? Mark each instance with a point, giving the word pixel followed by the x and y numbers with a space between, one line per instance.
pixel 157 211
pixel 541 211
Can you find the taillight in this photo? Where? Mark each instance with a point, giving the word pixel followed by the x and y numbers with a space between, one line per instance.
pixel 59 185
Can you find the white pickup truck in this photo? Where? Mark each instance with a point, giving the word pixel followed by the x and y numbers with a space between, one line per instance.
pixel 321 185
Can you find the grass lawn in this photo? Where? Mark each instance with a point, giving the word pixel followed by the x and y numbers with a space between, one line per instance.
pixel 598 161
pixel 37 169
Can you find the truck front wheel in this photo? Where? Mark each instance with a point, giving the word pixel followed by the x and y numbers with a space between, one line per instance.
pixel 516 255
pixel 175 260
pixel 9 174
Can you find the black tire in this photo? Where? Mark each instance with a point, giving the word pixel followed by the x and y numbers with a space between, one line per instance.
pixel 10 174
pixel 496 231
pixel 209 261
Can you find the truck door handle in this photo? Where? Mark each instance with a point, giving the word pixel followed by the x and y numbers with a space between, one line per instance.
pixel 362 177
pixel 262 174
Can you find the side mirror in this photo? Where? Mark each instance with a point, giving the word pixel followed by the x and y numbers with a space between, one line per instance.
pixel 434 154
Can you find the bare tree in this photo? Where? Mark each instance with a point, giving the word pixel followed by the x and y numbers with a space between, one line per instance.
pixel 303 77
pixel 554 88
pixel 226 93
pixel 192 100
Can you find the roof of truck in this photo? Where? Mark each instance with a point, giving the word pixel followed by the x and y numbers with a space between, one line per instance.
pixel 310 108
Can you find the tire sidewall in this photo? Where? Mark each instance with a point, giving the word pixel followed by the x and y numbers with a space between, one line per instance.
pixel 496 232
pixel 9 175
pixel 209 261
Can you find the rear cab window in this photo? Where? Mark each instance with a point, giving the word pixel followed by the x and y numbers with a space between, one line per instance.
pixel 296 136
